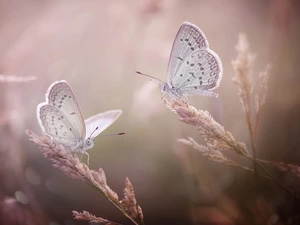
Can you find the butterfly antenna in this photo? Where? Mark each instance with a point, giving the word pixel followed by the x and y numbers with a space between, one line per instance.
pixel 149 76
pixel 106 134
pixel 93 132
pixel 112 134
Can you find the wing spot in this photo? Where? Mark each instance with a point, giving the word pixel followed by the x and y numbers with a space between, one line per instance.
pixel 59 106
pixel 202 73
pixel 56 133
pixel 201 82
pixel 190 44
pixel 188 80
pixel 181 75
pixel 180 58
pixel 192 74
pixel 73 113
pixel 187 62
pixel 181 39
pixel 62 117
pixel 195 87
pixel 186 39
pixel 60 102
pixel 192 64
pixel 70 96
pixel 65 96
pixel 192 48
pixel 70 129
pixel 201 68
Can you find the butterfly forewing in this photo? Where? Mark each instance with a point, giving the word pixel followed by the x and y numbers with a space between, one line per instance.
pixel 201 70
pixel 102 121
pixel 61 96
pixel 57 125
pixel 189 39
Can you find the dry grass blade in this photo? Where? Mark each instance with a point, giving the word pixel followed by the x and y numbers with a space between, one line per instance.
pixel 16 79
pixel 242 67
pixel 212 154
pixel 208 128
pixel 295 169
pixel 70 164
pixel 243 78
pixel 92 218
pixel 61 157
pixel 130 204
pixel 261 99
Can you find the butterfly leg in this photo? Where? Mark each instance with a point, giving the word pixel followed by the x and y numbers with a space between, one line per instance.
pixel 185 98
pixel 163 94
pixel 88 157
pixel 81 156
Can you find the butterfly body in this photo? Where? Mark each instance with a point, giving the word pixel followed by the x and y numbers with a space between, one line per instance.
pixel 83 145
pixel 171 90
pixel 61 119
pixel 194 69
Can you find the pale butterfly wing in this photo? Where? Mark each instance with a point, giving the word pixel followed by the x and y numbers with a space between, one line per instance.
pixel 58 126
pixel 102 121
pixel 189 39
pixel 201 71
pixel 60 116
pixel 62 97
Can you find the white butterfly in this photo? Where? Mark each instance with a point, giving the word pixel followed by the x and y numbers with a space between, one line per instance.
pixel 60 117
pixel 193 67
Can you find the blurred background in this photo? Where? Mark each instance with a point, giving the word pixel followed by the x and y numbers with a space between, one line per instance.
pixel 97 46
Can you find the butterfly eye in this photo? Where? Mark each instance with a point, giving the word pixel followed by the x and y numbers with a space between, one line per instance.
pixel 88 142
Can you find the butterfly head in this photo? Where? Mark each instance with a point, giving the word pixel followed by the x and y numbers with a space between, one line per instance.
pixel 88 143
pixel 164 87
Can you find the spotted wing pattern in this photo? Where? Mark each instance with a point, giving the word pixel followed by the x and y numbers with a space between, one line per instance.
pixel 58 126
pixel 62 97
pixel 60 116
pixel 189 39
pixel 202 70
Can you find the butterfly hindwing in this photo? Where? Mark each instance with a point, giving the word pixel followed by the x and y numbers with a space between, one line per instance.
pixel 61 96
pixel 189 39
pixel 201 70
pixel 57 125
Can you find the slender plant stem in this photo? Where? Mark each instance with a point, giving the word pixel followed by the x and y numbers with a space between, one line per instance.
pixel 274 178
pixel 257 116
pixel 254 151
pixel 248 117
pixel 256 123
pixel 262 167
